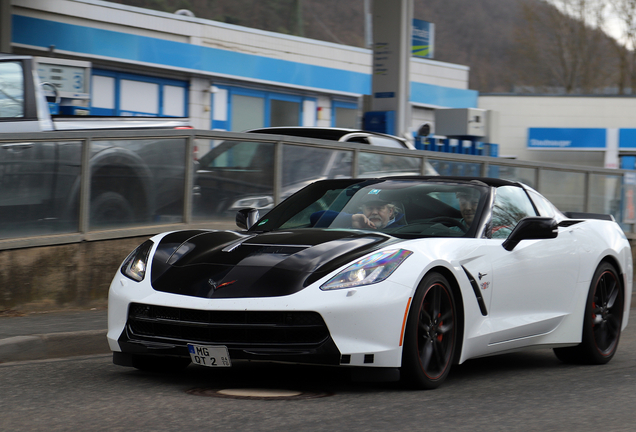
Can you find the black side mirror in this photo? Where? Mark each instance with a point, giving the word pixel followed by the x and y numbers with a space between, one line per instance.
pixel 246 218
pixel 531 228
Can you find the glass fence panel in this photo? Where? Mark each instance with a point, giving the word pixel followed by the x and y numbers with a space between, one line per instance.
pixel 524 175
pixel 566 190
pixel 136 182
pixel 230 176
pixel 605 194
pixel 39 188
pixel 378 165
pixel 303 165
pixel 453 168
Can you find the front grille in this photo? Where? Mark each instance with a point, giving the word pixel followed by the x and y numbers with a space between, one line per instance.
pixel 231 328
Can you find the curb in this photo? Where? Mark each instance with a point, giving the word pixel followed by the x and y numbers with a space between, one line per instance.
pixel 53 345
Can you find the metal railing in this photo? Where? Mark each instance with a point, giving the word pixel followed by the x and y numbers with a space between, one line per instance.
pixel 67 187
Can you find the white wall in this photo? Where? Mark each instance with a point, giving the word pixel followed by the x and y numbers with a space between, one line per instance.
pixel 439 73
pixel 518 113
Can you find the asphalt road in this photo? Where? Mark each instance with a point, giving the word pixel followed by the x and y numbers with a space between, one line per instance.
pixel 529 391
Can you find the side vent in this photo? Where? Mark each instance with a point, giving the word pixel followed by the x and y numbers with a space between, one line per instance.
pixel 480 299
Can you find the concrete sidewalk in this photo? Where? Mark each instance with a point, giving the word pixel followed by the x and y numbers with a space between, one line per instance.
pixel 40 336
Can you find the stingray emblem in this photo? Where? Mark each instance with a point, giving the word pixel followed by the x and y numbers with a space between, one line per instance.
pixel 481 275
pixel 224 284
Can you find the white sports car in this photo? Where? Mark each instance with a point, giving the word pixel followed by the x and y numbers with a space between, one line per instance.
pixel 401 275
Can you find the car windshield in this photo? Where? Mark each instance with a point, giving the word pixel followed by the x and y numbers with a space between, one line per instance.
pixel 408 208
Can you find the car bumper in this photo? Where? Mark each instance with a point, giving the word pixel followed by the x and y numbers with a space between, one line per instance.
pixel 361 326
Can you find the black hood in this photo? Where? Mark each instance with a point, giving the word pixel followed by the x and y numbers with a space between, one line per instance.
pixel 227 264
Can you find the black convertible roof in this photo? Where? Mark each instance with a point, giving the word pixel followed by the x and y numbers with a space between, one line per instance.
pixel 495 182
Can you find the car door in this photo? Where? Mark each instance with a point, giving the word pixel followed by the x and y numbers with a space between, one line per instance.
pixel 530 288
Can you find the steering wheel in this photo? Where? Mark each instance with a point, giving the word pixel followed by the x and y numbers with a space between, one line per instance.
pixel 449 221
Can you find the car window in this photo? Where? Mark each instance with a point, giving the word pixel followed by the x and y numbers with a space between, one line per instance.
pixel 544 206
pixel 238 154
pixel 510 206
pixel 384 142
pixel 306 163
pixel 11 90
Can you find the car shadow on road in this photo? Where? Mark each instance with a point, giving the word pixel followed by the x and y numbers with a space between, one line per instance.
pixel 331 380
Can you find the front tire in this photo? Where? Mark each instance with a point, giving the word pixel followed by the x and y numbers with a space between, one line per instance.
pixel 431 334
pixel 602 322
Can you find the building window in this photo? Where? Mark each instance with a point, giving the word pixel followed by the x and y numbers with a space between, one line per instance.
pixel 345 114
pixel 284 113
pixel 138 97
pixel 122 94
pixel 240 109
pixel 248 112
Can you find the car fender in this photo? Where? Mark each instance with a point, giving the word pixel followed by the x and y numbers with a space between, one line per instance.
pixel 121 157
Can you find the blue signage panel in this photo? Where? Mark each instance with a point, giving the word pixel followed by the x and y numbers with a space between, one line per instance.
pixel 567 138
pixel 423 39
pixel 627 138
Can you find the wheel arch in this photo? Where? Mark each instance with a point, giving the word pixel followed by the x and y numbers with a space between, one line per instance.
pixel 614 262
pixel 459 301
pixel 118 170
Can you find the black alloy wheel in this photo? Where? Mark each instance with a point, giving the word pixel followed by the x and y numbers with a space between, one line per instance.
pixel 602 322
pixel 431 334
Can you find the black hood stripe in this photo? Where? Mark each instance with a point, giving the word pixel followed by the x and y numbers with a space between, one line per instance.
pixel 227 264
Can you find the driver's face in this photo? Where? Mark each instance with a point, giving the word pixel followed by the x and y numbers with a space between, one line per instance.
pixel 378 213
pixel 468 207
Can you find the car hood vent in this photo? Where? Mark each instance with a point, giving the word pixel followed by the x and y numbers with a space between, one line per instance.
pixel 228 264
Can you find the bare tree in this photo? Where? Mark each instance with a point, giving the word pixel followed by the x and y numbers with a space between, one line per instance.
pixel 625 11
pixel 564 45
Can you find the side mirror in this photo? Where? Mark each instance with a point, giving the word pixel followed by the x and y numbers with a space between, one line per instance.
pixel 246 218
pixel 531 228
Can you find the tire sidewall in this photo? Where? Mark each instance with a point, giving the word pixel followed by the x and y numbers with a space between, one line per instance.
pixel 588 343
pixel 412 373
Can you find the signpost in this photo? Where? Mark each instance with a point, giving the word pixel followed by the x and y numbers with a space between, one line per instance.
pixel 391 58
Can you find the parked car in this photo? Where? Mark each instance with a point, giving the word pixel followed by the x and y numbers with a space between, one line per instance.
pixel 454 269
pixel 238 174
pixel 131 181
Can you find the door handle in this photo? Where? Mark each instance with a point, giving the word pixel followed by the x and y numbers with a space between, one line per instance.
pixel 17 146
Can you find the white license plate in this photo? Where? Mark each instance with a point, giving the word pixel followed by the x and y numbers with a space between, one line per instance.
pixel 210 356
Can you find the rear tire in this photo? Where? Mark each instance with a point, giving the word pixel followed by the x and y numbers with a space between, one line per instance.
pixel 602 322
pixel 431 334
pixel 111 209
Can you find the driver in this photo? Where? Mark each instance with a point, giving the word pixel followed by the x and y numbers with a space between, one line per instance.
pixel 376 214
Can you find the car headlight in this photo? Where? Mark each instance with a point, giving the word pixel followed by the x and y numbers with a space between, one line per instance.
pixel 372 269
pixel 135 265
pixel 261 202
